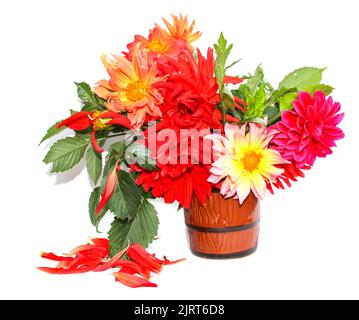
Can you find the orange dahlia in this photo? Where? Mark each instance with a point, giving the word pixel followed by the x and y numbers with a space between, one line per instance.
pixel 131 87
pixel 170 42
pixel 181 30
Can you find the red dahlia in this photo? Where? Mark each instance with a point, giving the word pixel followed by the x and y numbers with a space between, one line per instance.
pixel 190 92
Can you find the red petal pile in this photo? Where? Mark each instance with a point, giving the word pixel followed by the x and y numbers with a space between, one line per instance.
pixel 95 256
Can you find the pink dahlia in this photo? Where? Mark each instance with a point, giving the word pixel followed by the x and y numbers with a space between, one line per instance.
pixel 309 130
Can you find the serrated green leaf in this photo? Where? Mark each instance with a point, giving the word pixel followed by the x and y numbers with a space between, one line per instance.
pixel 256 103
pixel 302 77
pixel 126 197
pixel 93 203
pixel 256 80
pixel 260 99
pixel 118 148
pixel 52 131
pixel 94 164
pixel 326 89
pixel 142 229
pixel 66 153
pixel 222 53
pixel 276 94
pixel 85 93
pixel 286 101
pixel 115 153
pixel 89 107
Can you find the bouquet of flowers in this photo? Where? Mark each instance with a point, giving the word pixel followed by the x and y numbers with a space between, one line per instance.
pixel 175 123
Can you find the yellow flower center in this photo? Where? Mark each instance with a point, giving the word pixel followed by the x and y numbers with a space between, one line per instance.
pixel 100 123
pixel 136 91
pixel 251 160
pixel 158 46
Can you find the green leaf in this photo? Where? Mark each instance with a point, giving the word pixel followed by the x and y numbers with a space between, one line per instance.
pixel 52 131
pixel 301 78
pixel 276 94
pixel 286 101
pixel 93 203
pixel 66 153
pixel 222 53
pixel 85 93
pixel 256 103
pixel 271 112
pixel 126 198
pixel 118 148
pixel 142 229
pixel 89 107
pixel 94 164
pixel 260 99
pixel 256 80
pixel 115 153
pixel 227 100
pixel 327 90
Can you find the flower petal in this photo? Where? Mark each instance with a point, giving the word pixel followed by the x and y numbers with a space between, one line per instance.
pixel 78 121
pixel 112 262
pixel 108 190
pixel 132 281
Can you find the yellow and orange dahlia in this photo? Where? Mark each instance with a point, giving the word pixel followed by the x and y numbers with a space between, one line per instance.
pixel 131 87
pixel 170 41
pixel 245 163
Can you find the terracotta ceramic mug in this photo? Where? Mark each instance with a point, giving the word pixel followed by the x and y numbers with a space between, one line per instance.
pixel 222 228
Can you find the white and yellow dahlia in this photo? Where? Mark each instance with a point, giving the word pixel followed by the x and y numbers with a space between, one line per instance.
pixel 244 162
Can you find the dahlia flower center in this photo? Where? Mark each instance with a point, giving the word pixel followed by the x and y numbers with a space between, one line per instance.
pixel 158 46
pixel 250 160
pixel 136 91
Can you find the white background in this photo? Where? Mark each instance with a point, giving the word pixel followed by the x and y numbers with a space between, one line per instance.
pixel 309 234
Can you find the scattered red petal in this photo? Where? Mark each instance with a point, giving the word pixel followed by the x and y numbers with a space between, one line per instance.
pixel 94 258
pixel 167 262
pixel 138 254
pixel 132 281
pixel 110 263
pixel 67 271
pixel 101 242
pixel 54 257
pixel 82 248
pixel 132 268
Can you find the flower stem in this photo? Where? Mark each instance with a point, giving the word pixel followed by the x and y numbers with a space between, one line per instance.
pixel 114 135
